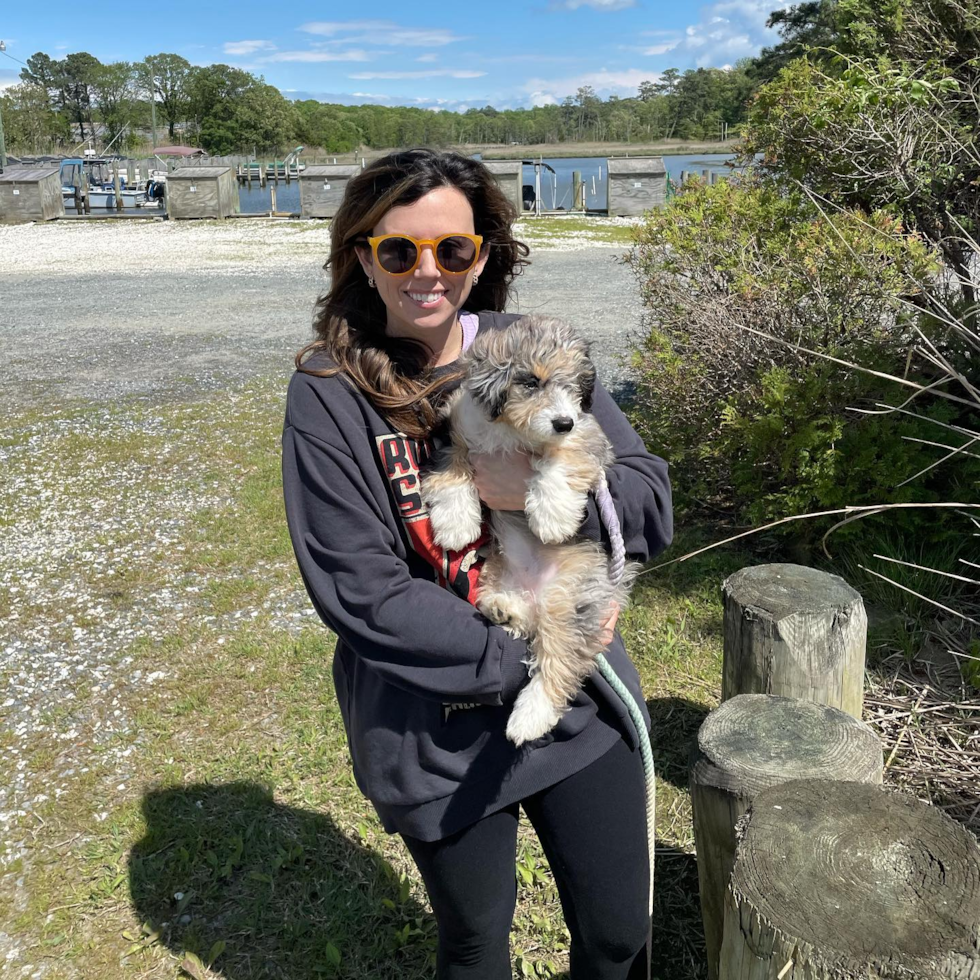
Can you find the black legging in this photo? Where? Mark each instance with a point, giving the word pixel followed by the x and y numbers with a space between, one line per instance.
pixel 592 827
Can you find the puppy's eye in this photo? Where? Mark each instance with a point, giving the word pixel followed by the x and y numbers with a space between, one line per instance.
pixel 528 381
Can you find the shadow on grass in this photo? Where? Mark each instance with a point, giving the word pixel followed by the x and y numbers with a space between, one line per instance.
pixel 674 727
pixel 289 894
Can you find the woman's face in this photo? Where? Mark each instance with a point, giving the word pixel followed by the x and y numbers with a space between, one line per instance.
pixel 424 305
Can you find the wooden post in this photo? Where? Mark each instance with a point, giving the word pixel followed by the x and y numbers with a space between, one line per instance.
pixel 576 189
pixel 706 176
pixel 836 880
pixel 76 183
pixel 750 743
pixel 116 186
pixel 248 175
pixel 263 175
pixel 86 196
pixel 796 632
pixel 130 174
pixel 272 191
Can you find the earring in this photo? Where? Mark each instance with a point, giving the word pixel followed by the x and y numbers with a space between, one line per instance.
pixel 371 281
pixel 476 279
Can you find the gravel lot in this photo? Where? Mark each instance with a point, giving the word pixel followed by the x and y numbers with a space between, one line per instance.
pixel 95 310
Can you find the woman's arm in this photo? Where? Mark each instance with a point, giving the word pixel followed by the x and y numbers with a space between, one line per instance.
pixel 638 484
pixel 417 635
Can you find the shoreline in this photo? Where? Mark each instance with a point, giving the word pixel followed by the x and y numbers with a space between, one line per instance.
pixel 597 150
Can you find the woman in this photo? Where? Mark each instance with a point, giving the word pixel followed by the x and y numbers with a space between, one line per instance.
pixel 425 683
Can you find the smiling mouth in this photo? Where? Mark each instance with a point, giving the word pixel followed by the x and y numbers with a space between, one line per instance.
pixel 426 299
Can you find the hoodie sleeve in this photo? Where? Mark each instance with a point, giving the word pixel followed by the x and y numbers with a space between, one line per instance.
pixel 638 485
pixel 415 634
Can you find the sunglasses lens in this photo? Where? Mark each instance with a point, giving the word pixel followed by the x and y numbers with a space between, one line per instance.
pixel 397 255
pixel 456 254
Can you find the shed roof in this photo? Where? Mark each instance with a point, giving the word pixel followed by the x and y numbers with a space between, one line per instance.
pixel 29 175
pixel 189 173
pixel 504 166
pixel 330 170
pixel 636 165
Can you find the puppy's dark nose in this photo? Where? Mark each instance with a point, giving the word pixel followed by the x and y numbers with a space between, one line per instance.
pixel 563 424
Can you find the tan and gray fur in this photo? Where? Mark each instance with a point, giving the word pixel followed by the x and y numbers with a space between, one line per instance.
pixel 529 387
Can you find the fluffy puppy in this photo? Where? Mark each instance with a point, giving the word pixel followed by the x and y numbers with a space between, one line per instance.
pixel 529 387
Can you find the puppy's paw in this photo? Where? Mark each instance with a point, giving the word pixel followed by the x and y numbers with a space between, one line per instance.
pixel 554 516
pixel 455 514
pixel 506 611
pixel 533 714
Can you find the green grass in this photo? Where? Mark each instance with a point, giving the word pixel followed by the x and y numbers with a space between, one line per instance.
pixel 577 230
pixel 239 793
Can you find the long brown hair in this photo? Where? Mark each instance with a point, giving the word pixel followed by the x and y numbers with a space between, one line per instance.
pixel 351 318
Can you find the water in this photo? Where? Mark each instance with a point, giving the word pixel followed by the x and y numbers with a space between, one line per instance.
pixel 556 189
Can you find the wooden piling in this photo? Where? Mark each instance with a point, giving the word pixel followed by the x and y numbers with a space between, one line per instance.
pixel 272 192
pixel 117 187
pixel 86 196
pixel 796 632
pixel 836 880
pixel 576 189
pixel 752 742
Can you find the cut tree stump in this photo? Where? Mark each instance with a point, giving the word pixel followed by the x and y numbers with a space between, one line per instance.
pixel 750 743
pixel 836 881
pixel 796 632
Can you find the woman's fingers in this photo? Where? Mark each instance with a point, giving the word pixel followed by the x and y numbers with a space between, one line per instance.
pixel 501 478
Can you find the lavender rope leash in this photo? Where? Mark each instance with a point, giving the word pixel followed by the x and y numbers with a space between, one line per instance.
pixel 608 516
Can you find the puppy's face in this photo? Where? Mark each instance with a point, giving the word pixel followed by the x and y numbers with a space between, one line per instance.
pixel 534 376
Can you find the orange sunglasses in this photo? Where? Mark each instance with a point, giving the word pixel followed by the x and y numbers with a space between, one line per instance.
pixel 399 255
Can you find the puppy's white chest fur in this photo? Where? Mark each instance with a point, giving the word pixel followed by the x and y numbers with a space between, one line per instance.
pixel 529 566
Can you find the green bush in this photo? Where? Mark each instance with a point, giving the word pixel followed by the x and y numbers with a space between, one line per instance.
pixel 750 423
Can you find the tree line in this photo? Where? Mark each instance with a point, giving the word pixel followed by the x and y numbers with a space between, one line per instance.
pixel 59 103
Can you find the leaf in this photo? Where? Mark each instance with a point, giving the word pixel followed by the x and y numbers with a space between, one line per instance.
pixel 332 954
pixel 216 950
pixel 192 966
pixel 127 934
pixel 260 876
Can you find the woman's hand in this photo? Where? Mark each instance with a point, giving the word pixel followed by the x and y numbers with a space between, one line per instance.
pixel 501 478
pixel 609 626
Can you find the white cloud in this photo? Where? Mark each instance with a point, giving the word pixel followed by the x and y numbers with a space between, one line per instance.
pixel 729 30
pixel 543 91
pixel 247 47
pixel 661 48
pixel 427 57
pixel 383 32
pixel 607 5
pixel 354 54
pixel 434 73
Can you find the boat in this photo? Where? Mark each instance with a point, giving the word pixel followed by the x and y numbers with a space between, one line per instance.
pixel 101 192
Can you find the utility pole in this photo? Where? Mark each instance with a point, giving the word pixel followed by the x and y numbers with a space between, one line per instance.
pixel 3 145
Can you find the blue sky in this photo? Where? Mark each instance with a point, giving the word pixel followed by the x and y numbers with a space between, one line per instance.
pixel 508 53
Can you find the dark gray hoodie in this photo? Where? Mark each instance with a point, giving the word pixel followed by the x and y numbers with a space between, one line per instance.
pixel 425 683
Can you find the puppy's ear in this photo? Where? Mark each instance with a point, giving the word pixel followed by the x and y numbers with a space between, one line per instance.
pixel 587 384
pixel 488 382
